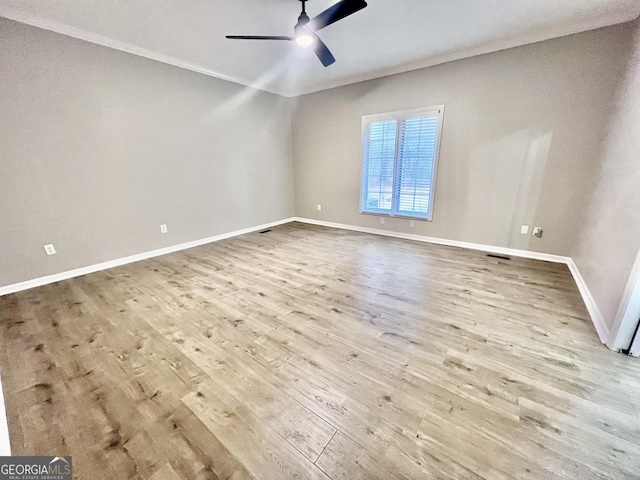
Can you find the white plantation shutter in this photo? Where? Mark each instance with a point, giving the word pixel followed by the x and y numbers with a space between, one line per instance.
pixel 379 162
pixel 400 156
pixel 416 161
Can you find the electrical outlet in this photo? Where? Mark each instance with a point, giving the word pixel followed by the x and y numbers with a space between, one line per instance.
pixel 49 249
pixel 412 223
pixel 319 207
pixel 537 231
pixel 524 230
pixel 163 228
pixel 382 221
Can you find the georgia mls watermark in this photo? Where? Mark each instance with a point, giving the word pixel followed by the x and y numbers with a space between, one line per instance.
pixel 35 468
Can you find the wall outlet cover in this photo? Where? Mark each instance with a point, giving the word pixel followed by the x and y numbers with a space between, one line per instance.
pixel 524 230
pixel 319 207
pixel 49 249
pixel 163 228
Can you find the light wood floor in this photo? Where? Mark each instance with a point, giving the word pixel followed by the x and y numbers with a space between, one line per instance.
pixel 314 353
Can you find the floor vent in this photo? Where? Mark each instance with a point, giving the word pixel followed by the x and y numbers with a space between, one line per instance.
pixel 265 231
pixel 501 257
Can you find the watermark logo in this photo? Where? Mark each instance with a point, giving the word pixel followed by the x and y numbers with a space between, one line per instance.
pixel 36 468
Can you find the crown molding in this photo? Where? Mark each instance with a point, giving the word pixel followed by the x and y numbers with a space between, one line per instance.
pixel 50 25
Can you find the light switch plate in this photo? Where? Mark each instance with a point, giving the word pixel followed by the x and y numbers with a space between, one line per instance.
pixel 524 230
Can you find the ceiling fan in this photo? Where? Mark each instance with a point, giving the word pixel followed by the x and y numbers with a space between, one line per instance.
pixel 304 31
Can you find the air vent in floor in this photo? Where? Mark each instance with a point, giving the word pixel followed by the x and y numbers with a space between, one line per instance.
pixel 501 257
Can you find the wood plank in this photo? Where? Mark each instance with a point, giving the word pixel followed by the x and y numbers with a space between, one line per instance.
pixel 309 352
pixel 264 453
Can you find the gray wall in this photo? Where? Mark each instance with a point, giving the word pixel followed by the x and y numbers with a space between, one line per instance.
pixel 610 237
pixel 523 132
pixel 99 147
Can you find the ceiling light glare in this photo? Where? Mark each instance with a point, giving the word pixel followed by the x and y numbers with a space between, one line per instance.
pixel 304 40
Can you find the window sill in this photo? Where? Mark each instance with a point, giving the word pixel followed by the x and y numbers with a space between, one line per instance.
pixel 394 215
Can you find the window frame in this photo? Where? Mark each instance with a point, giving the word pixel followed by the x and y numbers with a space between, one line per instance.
pixel 399 117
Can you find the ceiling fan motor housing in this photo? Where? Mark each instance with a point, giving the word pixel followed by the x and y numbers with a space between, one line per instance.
pixel 303 19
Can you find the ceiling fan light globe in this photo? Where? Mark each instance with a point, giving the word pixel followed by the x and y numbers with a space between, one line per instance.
pixel 304 40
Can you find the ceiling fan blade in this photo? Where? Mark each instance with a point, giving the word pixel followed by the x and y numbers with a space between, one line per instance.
pixel 258 37
pixel 322 52
pixel 340 10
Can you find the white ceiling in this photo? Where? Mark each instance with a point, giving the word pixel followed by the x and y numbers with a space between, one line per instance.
pixel 389 36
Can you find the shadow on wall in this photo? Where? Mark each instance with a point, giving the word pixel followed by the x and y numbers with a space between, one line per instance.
pixel 534 165
pixel 514 165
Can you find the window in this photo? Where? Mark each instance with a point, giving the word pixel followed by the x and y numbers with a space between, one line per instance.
pixel 400 159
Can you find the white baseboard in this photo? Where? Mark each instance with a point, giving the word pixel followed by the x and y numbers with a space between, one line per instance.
pixel 594 312
pixel 441 241
pixel 590 303
pixel 592 308
pixel 5 446
pixel 37 282
pixel 626 318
